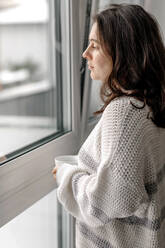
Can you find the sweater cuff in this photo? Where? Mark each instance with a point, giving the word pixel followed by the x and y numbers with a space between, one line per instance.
pixel 62 171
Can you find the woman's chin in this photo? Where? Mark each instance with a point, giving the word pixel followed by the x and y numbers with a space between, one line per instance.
pixel 94 77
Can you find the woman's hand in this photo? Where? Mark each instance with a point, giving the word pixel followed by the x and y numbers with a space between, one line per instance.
pixel 54 171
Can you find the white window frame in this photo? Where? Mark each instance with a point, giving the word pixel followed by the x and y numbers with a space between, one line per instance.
pixel 27 178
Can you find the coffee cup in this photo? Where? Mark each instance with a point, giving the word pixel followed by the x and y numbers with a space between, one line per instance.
pixel 68 159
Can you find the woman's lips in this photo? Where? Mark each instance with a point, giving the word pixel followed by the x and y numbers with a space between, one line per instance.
pixel 90 67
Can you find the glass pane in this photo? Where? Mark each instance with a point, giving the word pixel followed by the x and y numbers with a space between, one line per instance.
pixel 36 227
pixel 34 55
pixel 95 100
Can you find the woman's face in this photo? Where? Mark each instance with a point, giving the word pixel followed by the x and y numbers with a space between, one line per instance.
pixel 99 64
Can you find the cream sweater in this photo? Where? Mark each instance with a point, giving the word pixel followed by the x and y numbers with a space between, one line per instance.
pixel 117 190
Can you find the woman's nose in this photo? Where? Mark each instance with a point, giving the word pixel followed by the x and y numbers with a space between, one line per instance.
pixel 85 54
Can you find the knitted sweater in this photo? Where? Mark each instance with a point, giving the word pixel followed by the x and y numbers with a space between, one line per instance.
pixel 116 192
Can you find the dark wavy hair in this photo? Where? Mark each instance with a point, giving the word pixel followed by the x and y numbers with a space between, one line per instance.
pixel 131 36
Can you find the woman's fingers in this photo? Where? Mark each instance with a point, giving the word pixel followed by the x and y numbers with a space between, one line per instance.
pixel 54 171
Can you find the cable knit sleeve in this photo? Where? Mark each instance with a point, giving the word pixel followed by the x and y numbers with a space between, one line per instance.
pixel 116 189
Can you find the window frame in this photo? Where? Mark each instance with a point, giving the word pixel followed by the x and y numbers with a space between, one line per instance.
pixel 27 178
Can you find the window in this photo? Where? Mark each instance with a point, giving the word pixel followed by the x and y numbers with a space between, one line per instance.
pixel 40 97
pixel 35 80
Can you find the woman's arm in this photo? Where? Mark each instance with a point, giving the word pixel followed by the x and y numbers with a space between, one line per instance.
pixel 117 189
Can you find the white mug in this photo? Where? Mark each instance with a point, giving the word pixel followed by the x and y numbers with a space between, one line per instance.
pixel 68 159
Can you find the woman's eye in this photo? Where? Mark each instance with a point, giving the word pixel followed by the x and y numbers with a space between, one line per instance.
pixel 94 46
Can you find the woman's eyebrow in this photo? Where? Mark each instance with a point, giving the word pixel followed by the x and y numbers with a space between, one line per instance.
pixel 94 40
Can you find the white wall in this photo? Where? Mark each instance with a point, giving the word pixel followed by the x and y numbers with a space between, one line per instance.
pixel 157 8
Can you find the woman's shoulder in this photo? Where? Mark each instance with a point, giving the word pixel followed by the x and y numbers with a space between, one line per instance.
pixel 126 108
pixel 126 102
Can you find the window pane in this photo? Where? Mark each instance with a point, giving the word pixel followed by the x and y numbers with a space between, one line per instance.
pixel 34 73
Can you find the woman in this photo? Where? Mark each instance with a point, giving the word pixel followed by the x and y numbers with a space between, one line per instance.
pixel 117 190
